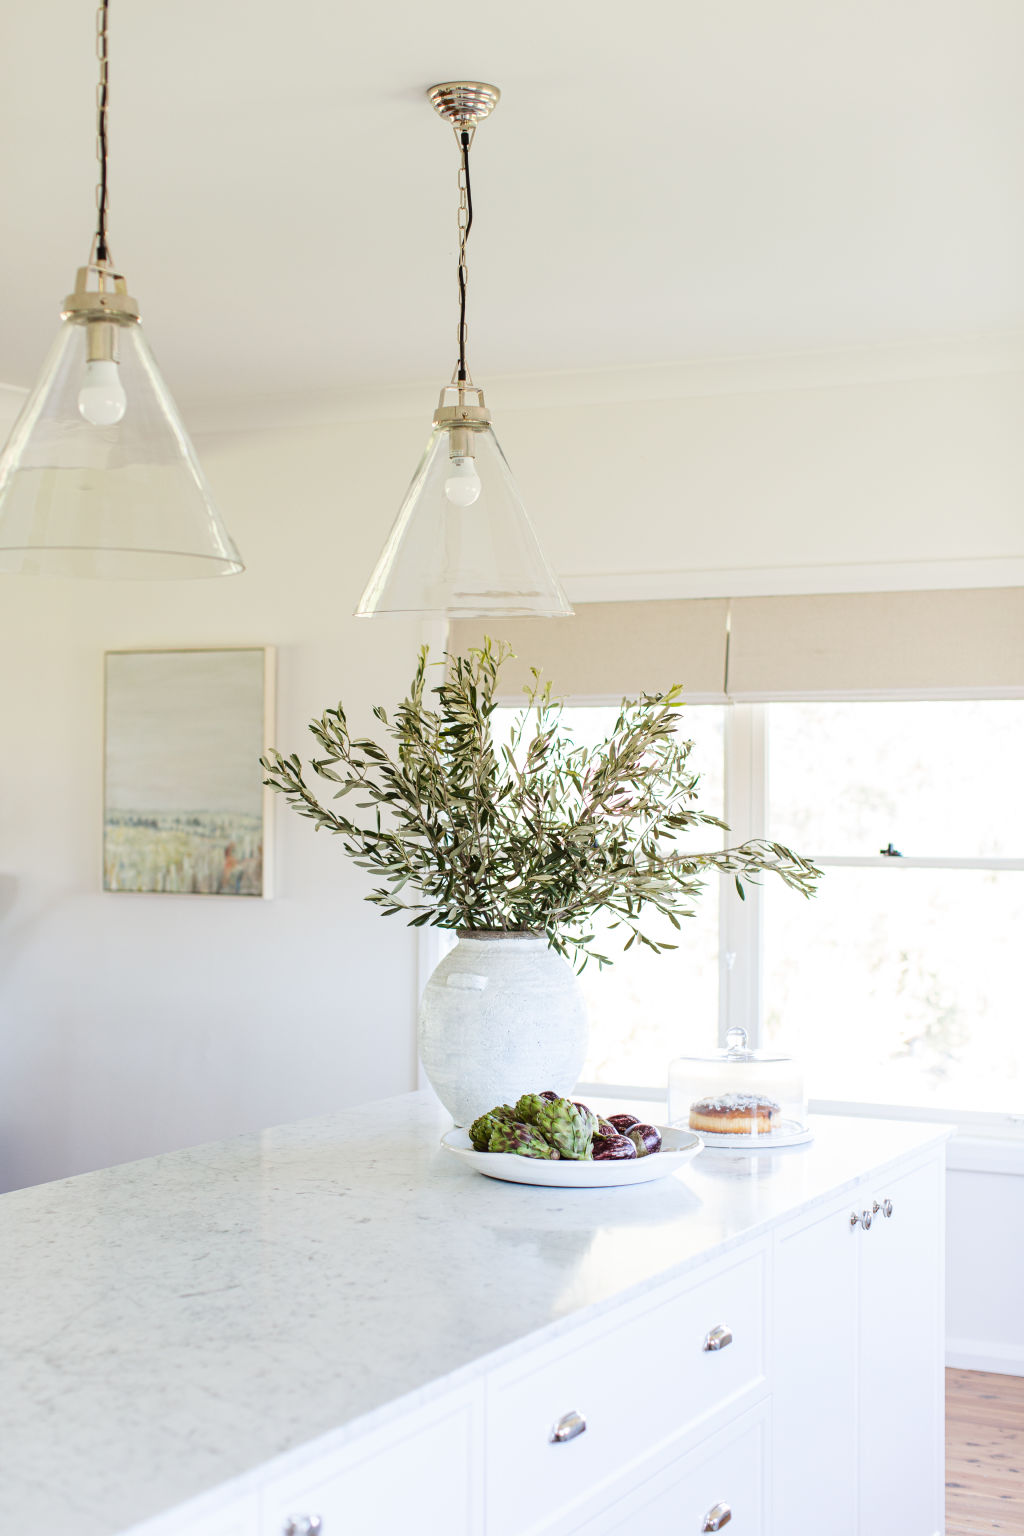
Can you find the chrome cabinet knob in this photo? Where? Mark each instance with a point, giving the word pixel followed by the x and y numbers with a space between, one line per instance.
pixel 862 1220
pixel 568 1427
pixel 885 1208
pixel 718 1338
pixel 303 1525
pixel 717 1517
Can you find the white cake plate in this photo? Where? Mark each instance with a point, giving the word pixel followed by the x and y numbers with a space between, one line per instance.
pixel 788 1133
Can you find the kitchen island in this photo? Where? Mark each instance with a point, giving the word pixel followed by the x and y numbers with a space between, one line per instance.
pixel 334 1325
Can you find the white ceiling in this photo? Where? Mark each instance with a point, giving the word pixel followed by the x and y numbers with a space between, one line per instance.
pixel 663 180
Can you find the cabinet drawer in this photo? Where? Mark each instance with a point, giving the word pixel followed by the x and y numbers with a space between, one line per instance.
pixel 420 1474
pixel 638 1383
pixel 724 1478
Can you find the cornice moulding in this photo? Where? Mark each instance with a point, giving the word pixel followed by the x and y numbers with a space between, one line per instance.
pixel 949 358
pixel 940 359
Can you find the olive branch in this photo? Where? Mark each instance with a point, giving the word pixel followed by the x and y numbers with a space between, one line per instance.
pixel 530 835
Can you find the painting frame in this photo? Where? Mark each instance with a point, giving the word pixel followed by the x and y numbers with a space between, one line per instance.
pixel 266 800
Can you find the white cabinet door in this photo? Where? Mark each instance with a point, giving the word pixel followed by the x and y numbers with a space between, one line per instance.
pixel 815 1363
pixel 420 1474
pixel 720 1486
pixel 901 1343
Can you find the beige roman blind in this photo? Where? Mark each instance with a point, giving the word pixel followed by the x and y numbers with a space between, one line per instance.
pixel 610 650
pixel 877 642
pixel 750 648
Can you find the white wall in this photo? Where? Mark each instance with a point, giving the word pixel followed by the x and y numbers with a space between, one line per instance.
pixel 857 471
pixel 985 1255
pixel 131 1024
pixel 857 486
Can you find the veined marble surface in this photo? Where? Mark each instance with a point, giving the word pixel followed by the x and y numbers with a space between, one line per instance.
pixel 171 1324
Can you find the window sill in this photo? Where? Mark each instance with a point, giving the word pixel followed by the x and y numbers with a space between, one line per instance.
pixel 985 1154
pixel 969 1122
pixel 984 1143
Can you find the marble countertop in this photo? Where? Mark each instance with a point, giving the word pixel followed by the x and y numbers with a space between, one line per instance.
pixel 171 1324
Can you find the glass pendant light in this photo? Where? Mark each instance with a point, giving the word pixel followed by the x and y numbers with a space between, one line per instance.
pixel 462 543
pixel 98 477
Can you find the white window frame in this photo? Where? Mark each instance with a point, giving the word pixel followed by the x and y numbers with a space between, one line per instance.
pixel 741 922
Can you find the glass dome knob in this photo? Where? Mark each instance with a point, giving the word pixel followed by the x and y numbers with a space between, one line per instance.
pixel 736 1040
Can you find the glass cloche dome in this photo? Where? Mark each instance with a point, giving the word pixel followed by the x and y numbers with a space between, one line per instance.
pixel 739 1097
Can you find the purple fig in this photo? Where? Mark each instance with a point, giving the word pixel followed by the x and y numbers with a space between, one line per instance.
pixel 613 1149
pixel 623 1123
pixel 646 1139
pixel 547 1094
pixel 605 1127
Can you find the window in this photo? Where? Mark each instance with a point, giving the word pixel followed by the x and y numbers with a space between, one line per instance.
pixel 899 983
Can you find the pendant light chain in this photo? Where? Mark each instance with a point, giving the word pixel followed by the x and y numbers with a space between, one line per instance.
pixel 101 250
pixel 100 434
pixel 464 138
pixel 462 545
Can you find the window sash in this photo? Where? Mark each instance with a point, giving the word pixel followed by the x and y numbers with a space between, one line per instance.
pixel 1007 1124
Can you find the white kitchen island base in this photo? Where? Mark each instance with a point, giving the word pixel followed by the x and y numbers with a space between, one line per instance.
pixel 332 1327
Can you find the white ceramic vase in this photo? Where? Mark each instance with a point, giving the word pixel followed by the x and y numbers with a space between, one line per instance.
pixel 502 1015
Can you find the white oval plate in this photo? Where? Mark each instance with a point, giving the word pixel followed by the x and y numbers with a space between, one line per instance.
pixel 678 1146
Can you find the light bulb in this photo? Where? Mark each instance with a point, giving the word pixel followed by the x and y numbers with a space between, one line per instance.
pixel 462 486
pixel 101 399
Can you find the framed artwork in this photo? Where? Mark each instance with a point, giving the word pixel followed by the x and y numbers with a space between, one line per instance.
pixel 185 810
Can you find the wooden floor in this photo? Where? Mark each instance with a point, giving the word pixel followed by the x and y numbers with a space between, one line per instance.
pixel 984 1454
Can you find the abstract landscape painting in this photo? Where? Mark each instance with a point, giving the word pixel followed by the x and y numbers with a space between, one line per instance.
pixel 184 804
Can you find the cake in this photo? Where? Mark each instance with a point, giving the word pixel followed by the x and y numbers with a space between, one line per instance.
pixel 733 1114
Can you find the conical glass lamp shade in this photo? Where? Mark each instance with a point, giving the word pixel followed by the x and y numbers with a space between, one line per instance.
pixel 117 495
pixel 462 543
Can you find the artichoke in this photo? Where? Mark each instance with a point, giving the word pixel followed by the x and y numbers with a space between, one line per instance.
pixel 480 1130
pixel 529 1107
pixel 526 1140
pixel 569 1129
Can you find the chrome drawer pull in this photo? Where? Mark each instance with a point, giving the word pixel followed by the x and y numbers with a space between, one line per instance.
pixel 568 1427
pixel 863 1220
pixel 718 1338
pixel 717 1517
pixel 885 1208
pixel 304 1525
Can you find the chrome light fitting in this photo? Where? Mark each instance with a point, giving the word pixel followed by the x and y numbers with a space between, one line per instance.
pixel 462 544
pixel 98 477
